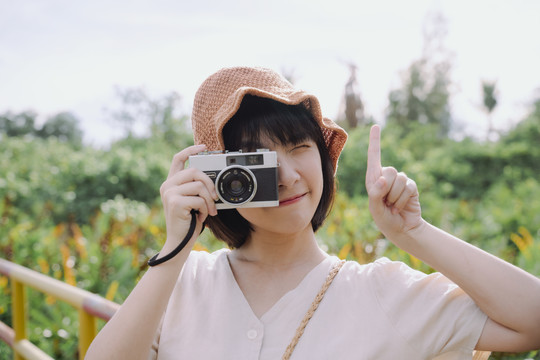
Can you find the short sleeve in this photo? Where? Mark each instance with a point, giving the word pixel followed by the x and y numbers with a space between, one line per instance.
pixel 433 314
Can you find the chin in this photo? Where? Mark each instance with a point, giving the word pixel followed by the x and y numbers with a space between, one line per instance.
pixel 273 219
pixel 291 224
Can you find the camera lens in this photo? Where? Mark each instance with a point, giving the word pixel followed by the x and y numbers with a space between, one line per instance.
pixel 236 185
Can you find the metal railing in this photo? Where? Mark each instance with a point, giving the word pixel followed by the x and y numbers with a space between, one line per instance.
pixel 90 306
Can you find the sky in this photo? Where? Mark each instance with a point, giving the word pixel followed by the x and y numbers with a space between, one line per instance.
pixel 59 55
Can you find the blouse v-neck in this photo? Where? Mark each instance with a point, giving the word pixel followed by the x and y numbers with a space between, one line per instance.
pixel 305 285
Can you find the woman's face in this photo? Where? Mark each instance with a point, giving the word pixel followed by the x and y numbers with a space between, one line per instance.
pixel 300 183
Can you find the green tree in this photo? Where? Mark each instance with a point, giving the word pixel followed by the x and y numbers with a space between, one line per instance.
pixel 489 95
pixel 353 107
pixel 64 126
pixel 423 98
pixel 159 119
pixel 424 94
pixel 20 124
pixel 528 130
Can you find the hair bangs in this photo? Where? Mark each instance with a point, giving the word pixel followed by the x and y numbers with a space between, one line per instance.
pixel 260 119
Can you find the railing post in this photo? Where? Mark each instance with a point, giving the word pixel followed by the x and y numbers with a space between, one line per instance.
pixel 87 331
pixel 19 313
pixel 91 307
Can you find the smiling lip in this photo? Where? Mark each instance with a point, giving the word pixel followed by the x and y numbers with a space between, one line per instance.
pixel 291 200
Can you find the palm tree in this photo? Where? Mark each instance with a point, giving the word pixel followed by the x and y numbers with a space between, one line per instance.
pixel 490 94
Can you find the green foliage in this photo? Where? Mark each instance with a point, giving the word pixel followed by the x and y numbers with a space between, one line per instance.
pixel 349 231
pixel 18 124
pixel 51 178
pixel 405 150
pixel 352 163
pixel 63 126
pixel 158 117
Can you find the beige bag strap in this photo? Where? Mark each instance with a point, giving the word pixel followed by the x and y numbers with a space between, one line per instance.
pixel 300 331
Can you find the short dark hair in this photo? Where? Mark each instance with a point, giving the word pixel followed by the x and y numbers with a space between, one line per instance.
pixel 282 124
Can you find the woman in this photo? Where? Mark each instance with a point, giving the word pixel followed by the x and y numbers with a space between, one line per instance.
pixel 276 293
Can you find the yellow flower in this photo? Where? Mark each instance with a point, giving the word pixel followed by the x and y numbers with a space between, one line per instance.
pixel 44 265
pixel 3 282
pixel 199 247
pixel 69 277
pixel 111 291
pixel 49 300
pixel 154 230
pixel 345 251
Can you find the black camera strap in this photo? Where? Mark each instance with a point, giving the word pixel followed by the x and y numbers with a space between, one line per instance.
pixel 154 261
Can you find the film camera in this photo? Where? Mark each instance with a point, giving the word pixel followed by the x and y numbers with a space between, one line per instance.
pixel 241 179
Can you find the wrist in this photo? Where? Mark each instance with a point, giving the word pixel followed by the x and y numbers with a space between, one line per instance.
pixel 168 254
pixel 411 240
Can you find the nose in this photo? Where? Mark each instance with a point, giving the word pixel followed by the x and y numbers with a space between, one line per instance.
pixel 287 172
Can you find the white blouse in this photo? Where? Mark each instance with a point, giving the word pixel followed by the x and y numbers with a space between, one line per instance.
pixel 381 310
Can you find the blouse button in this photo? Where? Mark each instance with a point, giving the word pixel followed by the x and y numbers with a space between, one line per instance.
pixel 252 334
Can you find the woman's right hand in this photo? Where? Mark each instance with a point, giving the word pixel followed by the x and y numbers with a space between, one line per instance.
pixel 184 190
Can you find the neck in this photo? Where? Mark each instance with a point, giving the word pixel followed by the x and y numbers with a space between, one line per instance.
pixel 279 250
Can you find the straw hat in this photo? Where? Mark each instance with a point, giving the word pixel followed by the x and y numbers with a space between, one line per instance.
pixel 220 96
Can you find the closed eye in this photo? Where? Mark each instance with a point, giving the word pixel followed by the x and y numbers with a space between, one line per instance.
pixel 301 146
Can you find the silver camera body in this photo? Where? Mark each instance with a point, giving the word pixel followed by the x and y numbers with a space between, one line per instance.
pixel 241 179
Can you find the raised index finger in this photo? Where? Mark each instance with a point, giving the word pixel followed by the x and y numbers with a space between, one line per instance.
pixel 374 168
pixel 180 158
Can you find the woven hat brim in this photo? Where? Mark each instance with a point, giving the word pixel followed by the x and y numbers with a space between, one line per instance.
pixel 335 137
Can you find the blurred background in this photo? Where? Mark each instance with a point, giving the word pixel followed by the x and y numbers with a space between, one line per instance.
pixel 95 99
